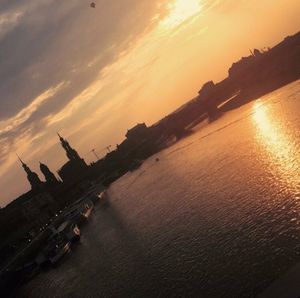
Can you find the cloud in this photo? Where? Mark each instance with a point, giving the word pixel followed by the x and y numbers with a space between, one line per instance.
pixel 54 57
pixel 54 42
pixel 24 115
pixel 8 21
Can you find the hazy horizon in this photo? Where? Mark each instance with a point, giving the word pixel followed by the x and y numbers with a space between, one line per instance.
pixel 93 73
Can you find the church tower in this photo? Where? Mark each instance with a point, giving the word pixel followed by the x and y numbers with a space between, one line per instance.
pixel 49 176
pixel 71 153
pixel 75 170
pixel 32 177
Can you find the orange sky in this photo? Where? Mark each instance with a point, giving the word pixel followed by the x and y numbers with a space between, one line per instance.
pixel 183 44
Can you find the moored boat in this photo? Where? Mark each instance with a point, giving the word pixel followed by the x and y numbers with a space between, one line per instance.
pixel 103 198
pixel 86 208
pixel 58 245
pixel 70 230
pixel 80 210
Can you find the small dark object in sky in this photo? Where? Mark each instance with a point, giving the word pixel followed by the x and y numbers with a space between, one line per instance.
pixel 93 4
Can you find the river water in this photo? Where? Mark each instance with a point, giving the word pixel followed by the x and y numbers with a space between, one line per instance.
pixel 216 216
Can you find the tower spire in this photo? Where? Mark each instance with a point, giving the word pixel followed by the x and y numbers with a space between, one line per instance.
pixel 32 177
pixel 20 159
pixel 71 153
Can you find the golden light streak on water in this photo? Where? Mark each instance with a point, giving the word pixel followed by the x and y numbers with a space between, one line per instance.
pixel 277 144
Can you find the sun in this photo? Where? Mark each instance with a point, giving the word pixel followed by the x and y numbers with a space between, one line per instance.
pixel 180 11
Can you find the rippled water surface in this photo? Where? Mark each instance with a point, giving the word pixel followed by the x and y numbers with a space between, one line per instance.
pixel 217 216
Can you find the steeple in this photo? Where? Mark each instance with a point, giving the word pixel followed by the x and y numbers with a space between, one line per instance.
pixel 49 176
pixel 32 177
pixel 71 153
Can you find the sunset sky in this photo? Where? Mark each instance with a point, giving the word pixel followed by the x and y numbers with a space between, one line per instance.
pixel 92 73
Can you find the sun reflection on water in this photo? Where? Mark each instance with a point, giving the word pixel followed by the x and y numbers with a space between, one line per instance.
pixel 279 148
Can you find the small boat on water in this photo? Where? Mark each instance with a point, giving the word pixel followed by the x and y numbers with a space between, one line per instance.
pixel 73 213
pixel 79 210
pixel 58 250
pixel 70 230
pixel 86 208
pixel 103 198
pixel 57 246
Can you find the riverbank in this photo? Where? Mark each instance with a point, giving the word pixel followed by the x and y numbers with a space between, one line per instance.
pixel 61 232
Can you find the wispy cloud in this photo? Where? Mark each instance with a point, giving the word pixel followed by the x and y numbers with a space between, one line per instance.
pixel 8 21
pixel 77 103
pixel 16 121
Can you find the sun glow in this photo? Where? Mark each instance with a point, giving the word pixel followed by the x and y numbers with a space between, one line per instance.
pixel 180 11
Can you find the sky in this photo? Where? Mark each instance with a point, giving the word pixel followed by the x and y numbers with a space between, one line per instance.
pixel 92 73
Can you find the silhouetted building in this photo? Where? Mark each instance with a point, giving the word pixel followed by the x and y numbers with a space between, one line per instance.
pixel 71 153
pixel 75 169
pixel 138 144
pixel 32 177
pixel 207 90
pixel 49 176
pixel 138 131
pixel 208 98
